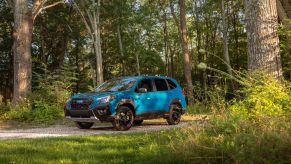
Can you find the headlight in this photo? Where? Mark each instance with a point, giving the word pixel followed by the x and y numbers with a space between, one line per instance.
pixel 69 100
pixel 105 99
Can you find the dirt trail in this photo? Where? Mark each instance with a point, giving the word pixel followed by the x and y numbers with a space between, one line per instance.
pixel 99 129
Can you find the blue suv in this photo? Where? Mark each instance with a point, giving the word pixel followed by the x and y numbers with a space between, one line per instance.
pixel 127 101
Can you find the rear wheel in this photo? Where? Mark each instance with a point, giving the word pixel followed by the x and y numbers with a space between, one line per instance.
pixel 175 115
pixel 123 119
pixel 137 122
pixel 84 125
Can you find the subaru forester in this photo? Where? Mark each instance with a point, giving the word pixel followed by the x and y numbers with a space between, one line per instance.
pixel 127 101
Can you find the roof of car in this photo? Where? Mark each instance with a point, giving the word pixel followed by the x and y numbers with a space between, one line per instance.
pixel 146 76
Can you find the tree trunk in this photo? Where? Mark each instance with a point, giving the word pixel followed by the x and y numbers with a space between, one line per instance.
pixel 99 67
pixel 166 43
pixel 22 35
pixel 235 31
pixel 24 17
pixel 121 50
pixel 187 66
pixel 97 45
pixel 137 61
pixel 263 41
pixel 78 71
pixel 225 42
pixel 202 74
pixel 91 17
pixel 171 68
pixel 225 39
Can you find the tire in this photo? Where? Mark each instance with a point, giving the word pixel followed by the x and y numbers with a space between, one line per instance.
pixel 137 122
pixel 123 119
pixel 175 115
pixel 84 125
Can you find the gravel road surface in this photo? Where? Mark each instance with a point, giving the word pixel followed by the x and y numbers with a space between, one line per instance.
pixel 99 129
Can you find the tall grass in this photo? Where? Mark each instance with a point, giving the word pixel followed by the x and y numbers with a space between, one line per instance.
pixel 255 127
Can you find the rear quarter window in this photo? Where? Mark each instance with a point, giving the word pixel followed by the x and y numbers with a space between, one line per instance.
pixel 161 84
pixel 172 85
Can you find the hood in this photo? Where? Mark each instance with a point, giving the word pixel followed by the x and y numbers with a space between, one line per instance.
pixel 92 95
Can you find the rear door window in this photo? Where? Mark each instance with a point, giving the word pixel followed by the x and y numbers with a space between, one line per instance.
pixel 161 84
pixel 145 83
pixel 172 85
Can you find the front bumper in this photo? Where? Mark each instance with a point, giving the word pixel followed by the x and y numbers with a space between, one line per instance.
pixel 79 119
pixel 94 115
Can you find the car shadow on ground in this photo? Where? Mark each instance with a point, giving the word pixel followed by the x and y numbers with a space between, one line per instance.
pixel 148 124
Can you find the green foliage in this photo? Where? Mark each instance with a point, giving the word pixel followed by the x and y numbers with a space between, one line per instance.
pixel 45 104
pixel 229 136
pixel 41 106
pixel 226 139
pixel 284 32
pixel 232 138
pixel 211 100
pixel 263 95
pixel 198 108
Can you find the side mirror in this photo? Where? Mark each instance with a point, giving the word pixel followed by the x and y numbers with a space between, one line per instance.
pixel 142 90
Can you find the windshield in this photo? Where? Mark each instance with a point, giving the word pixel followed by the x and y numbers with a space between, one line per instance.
pixel 116 85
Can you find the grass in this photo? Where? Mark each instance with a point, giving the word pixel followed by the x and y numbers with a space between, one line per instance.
pixel 95 149
pixel 224 139
pixel 253 128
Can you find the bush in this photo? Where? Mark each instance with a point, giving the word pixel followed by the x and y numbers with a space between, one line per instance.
pixel 197 108
pixel 45 104
pixel 263 95
pixel 42 106
pixel 253 128
pixel 208 101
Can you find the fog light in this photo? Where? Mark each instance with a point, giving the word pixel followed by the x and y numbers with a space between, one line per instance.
pixel 102 111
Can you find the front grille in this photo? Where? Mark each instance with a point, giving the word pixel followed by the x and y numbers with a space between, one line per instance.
pixel 80 113
pixel 80 104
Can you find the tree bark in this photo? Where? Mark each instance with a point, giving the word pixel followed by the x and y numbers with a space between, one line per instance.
pixel 117 11
pixel 91 19
pixel 171 64
pixel 22 36
pixel 225 42
pixel 166 43
pixel 263 41
pixel 99 60
pixel 202 74
pixel 121 50
pixel 175 19
pixel 235 30
pixel 225 39
pixel 187 66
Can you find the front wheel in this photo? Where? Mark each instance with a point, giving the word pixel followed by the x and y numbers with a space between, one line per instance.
pixel 175 115
pixel 84 125
pixel 123 119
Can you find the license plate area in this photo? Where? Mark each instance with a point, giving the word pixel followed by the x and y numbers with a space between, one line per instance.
pixel 81 113
pixel 76 106
pixel 80 104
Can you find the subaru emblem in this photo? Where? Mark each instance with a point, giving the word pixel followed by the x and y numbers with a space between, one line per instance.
pixel 80 101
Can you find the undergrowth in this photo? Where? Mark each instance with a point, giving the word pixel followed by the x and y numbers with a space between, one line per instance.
pixel 254 128
pixel 45 104
pixel 263 96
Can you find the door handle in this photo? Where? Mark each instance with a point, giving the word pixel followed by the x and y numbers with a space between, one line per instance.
pixel 136 97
